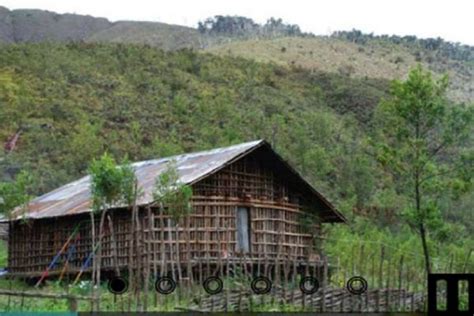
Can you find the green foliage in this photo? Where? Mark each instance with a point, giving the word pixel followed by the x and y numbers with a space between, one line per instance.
pixel 15 193
pixel 171 193
pixel 451 50
pixel 78 100
pixel 111 184
pixel 422 140
pixel 3 253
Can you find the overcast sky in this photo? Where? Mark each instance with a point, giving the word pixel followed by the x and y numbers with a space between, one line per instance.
pixel 452 20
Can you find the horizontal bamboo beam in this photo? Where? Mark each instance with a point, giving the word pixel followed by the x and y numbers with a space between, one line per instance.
pixel 44 295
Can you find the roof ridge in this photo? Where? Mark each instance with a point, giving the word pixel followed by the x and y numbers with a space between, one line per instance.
pixel 197 153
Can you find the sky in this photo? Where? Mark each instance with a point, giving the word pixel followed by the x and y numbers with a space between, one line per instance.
pixel 453 20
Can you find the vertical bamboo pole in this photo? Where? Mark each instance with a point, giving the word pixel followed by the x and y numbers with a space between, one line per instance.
pixel 99 256
pixel 387 293
pixel 400 277
pixel 170 244
pixel 382 258
pixel 324 284
pixel 149 241
pixel 94 262
pixel 217 226
pixel 293 277
pixel 163 268
pixel 130 256
pixel 227 267
pixel 343 295
pixel 178 250
pixel 189 250
pixel 114 245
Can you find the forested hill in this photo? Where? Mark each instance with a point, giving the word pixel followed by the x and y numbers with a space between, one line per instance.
pixel 350 53
pixel 73 101
pixel 62 105
pixel 68 103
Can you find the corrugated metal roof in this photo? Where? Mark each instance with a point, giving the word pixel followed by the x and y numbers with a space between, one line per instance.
pixel 75 197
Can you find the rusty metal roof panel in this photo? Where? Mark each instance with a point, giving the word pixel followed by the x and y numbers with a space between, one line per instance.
pixel 75 197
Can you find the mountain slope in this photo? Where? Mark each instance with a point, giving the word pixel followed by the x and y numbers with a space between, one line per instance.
pixel 39 25
pixel 71 102
pixel 351 54
pixel 370 60
pixel 25 25
pixel 165 36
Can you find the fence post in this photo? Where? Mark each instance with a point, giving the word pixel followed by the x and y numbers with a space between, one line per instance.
pixel 400 274
pixel 72 304
pixel 325 283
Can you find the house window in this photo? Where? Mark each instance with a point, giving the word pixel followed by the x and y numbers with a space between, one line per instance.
pixel 243 230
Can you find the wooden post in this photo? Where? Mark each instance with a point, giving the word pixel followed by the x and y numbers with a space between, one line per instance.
pixel 400 275
pixel 170 244
pixel 382 258
pixel 178 250
pixel 138 259
pixel 72 304
pixel 285 279
pixel 164 264
pixel 324 284
pixel 293 276
pixel 189 250
pixel 227 267
pixel 219 252
pixel 94 261
pixel 149 242
pixel 114 245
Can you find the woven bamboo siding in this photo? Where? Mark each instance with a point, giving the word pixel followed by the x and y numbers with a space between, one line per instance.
pixel 208 233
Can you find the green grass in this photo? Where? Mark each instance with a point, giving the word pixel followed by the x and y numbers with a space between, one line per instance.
pixel 3 253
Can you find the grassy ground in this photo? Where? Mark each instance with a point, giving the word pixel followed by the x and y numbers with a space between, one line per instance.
pixel 3 253
pixel 181 299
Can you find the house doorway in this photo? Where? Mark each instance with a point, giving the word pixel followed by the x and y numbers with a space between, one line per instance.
pixel 243 229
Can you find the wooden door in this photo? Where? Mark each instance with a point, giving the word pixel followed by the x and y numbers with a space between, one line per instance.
pixel 243 230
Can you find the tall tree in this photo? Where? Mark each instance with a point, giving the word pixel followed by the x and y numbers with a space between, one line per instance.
pixel 110 185
pixel 424 145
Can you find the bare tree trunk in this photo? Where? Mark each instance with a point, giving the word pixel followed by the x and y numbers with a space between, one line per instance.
pixel 93 260
pixel 130 257
pixel 114 245
pixel 149 242
pixel 421 225
pixel 170 240
pixel 131 253
pixel 99 256
pixel 422 232
pixel 138 256
pixel 178 250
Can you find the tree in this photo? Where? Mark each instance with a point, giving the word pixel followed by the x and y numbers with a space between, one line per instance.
pixel 172 195
pixel 15 193
pixel 173 198
pixel 423 145
pixel 110 185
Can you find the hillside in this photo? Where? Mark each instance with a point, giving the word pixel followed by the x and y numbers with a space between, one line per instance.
pixel 64 95
pixel 27 25
pixel 165 36
pixel 73 101
pixel 374 59
pixel 346 53
pixel 38 25
pixel 69 102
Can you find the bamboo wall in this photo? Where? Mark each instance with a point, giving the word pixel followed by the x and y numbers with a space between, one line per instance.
pixel 209 232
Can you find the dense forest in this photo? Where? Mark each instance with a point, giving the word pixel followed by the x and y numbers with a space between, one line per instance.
pixel 65 104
